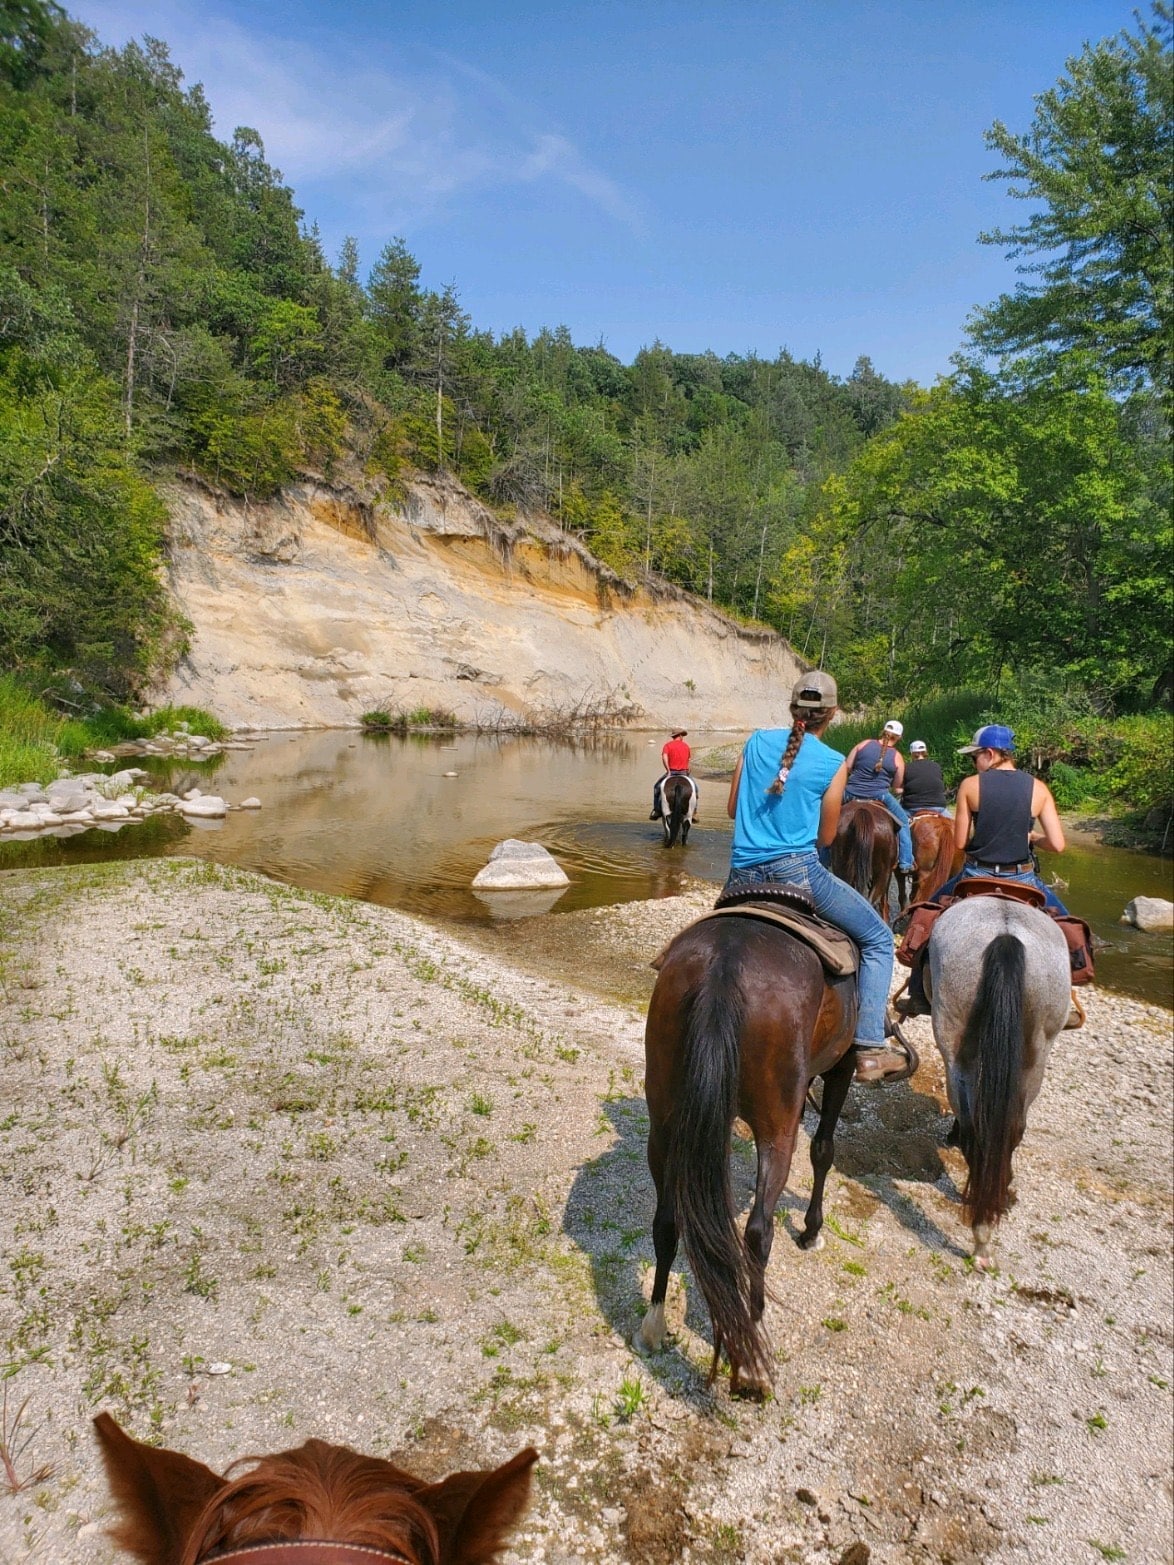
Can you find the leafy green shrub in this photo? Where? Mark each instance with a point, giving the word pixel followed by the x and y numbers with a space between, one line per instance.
pixel 1143 777
pixel 1073 785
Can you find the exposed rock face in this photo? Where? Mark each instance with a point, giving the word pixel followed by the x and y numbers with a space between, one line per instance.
pixel 320 605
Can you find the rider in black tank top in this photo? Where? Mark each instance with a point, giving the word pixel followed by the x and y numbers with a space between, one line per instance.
pixel 1002 822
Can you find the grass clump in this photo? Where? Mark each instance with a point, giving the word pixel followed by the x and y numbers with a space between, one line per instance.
pixel 37 739
pixel 421 719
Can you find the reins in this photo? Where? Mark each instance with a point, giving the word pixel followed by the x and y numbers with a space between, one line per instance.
pixel 307 1551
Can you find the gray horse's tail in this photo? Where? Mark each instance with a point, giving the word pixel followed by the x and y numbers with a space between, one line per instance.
pixel 992 1113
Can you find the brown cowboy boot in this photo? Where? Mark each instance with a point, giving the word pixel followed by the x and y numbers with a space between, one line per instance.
pixel 914 1001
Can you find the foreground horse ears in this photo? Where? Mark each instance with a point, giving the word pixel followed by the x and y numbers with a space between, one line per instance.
pixel 475 1513
pixel 158 1493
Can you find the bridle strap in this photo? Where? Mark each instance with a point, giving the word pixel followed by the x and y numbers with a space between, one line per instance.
pixel 308 1551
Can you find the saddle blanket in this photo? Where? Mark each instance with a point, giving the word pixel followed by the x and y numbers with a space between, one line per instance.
pixel 836 950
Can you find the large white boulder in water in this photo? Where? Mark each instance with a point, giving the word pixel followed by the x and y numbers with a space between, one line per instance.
pixel 515 865
pixel 1149 913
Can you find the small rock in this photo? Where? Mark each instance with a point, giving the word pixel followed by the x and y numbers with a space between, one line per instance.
pixel 250 804
pixel 857 1553
pixel 806 1497
pixel 207 805
pixel 219 1367
pixel 1149 913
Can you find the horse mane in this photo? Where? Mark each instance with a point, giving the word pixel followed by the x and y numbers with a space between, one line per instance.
pixel 317 1491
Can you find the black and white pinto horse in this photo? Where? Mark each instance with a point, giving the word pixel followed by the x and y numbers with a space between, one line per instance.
pixel 1000 988
pixel 678 804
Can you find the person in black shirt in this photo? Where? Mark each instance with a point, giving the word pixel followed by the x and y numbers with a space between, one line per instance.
pixel 925 787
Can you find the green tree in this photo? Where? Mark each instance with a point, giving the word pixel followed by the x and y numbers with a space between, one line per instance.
pixel 1098 163
pixel 988 532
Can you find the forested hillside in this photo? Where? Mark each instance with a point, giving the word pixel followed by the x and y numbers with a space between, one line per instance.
pixel 164 303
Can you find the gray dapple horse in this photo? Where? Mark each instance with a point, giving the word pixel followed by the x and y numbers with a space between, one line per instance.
pixel 999 976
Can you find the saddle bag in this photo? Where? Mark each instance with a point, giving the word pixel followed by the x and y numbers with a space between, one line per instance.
pixel 923 916
pixel 1079 937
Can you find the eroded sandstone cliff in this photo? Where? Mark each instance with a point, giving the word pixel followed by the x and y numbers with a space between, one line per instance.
pixel 315 607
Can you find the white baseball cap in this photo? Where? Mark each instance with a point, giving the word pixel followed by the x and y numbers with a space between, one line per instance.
pixel 918 745
pixel 894 727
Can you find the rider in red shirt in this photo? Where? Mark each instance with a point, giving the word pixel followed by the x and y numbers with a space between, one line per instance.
pixel 674 757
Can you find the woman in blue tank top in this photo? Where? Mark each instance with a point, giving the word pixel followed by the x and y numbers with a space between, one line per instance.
pixel 785 801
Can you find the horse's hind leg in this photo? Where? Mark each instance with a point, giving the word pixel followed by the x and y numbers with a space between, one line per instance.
pixel 835 1089
pixel 651 1332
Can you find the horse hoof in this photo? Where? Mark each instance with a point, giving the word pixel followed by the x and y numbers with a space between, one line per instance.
pixel 750 1390
pixel 983 1263
pixel 816 1242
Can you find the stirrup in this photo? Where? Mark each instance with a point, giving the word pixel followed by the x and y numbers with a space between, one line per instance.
pixel 1077 1015
pixel 895 1043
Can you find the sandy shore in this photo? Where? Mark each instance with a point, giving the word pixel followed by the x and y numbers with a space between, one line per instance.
pixel 392 1185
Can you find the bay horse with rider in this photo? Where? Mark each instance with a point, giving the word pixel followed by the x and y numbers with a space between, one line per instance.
pixel 744 1014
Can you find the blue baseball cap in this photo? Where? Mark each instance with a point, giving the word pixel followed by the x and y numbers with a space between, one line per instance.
pixel 995 736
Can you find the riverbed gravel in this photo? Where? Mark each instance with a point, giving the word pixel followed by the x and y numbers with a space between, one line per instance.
pixel 277 1165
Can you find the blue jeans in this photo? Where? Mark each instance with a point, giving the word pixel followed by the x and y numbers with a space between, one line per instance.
pixel 1024 878
pixel 904 836
pixel 849 911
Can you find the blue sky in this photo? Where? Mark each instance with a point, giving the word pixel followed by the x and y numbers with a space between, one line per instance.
pixel 736 175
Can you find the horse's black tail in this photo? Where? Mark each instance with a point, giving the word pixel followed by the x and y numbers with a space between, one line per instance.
pixel 697 1165
pixel 677 814
pixel 993 1114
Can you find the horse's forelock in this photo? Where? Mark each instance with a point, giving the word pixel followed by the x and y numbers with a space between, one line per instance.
pixel 317 1491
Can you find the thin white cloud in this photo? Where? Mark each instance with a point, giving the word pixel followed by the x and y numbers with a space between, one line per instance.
pixel 408 143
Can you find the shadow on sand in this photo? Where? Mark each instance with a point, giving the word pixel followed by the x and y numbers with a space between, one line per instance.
pixel 885 1136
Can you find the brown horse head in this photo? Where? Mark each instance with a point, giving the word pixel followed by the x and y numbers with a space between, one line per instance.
pixel 864 853
pixel 175 1511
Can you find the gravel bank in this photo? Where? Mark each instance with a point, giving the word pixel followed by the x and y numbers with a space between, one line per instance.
pixel 392 1185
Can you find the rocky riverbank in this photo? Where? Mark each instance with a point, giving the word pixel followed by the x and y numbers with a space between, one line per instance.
pixel 95 800
pixel 277 1164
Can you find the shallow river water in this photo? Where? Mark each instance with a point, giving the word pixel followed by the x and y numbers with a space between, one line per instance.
pixel 379 819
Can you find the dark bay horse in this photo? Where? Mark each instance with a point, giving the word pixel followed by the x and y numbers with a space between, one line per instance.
pixel 864 852
pixel 677 801
pixel 934 855
pixel 173 1510
pixel 742 1018
pixel 999 974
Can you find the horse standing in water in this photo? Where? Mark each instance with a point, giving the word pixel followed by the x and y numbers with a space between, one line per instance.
pixel 864 853
pixel 1000 980
pixel 934 855
pixel 741 1020
pixel 678 801
pixel 319 1505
